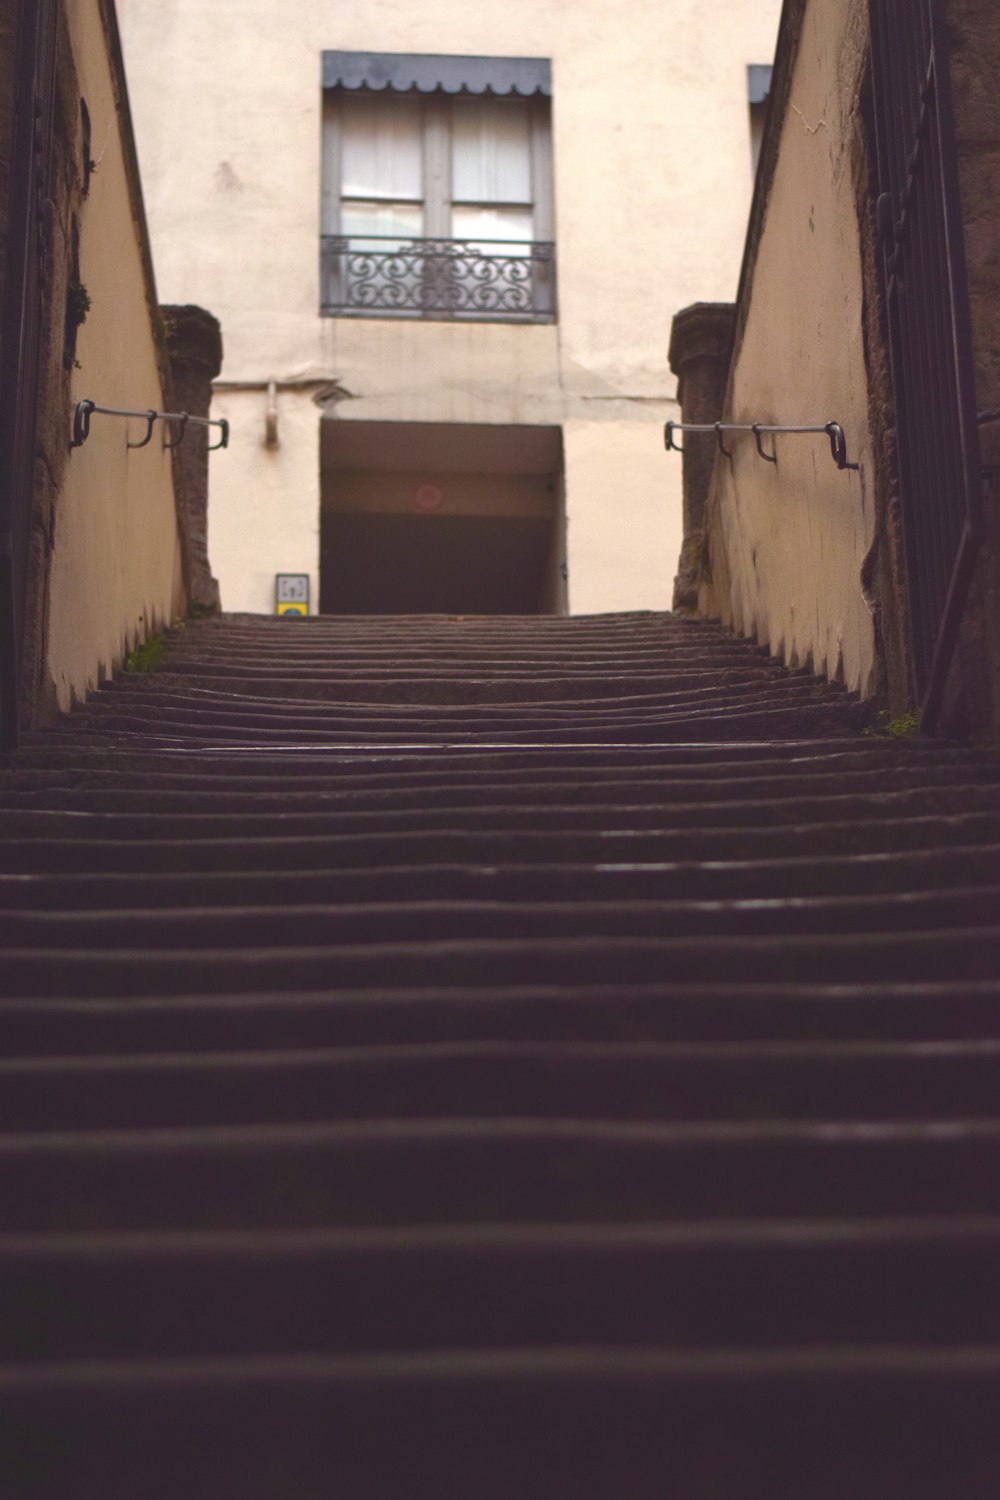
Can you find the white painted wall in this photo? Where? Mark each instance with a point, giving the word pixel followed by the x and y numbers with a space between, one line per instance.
pixel 263 514
pixel 652 187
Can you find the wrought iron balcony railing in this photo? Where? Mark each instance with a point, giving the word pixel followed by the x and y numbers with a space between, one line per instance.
pixel 505 281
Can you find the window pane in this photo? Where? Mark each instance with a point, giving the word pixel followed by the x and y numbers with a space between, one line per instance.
pixel 402 220
pixel 382 149
pixel 494 224
pixel 491 151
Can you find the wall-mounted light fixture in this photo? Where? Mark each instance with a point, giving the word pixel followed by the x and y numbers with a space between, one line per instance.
pixel 271 438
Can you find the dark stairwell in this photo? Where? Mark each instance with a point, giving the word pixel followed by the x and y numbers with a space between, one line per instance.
pixel 497 1059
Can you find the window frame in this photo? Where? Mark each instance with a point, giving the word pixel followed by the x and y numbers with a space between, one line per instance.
pixel 436 110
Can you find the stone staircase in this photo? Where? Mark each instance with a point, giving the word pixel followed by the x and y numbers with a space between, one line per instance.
pixel 500 1059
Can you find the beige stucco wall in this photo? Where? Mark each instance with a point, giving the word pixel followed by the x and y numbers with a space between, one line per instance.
pixel 264 511
pixel 621 539
pixel 116 570
pixel 787 542
pixel 652 186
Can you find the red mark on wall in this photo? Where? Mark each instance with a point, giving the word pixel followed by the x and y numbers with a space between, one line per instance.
pixel 428 498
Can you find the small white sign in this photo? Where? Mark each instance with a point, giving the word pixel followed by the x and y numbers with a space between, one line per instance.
pixel 291 593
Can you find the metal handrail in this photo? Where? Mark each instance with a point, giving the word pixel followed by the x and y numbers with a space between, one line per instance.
pixel 86 409
pixel 833 430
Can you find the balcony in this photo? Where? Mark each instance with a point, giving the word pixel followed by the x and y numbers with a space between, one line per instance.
pixel 486 281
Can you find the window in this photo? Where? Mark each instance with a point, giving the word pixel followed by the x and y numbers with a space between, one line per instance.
pixel 758 89
pixel 437 197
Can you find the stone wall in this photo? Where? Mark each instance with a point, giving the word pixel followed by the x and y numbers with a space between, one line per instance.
pixel 194 340
pixel 8 26
pixel 972 704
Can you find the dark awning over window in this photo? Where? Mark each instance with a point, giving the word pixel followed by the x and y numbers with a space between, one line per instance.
pixel 426 72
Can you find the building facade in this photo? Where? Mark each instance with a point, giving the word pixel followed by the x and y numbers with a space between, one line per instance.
pixel 445 243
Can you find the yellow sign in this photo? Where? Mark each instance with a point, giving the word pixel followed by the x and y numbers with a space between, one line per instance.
pixel 291 593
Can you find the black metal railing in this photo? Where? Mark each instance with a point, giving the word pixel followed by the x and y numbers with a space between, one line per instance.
pixel 927 304
pixel 505 281
pixel 177 420
pixel 718 430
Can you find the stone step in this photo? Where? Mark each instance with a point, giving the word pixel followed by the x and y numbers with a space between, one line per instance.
pixel 630 623
pixel 406 700
pixel 683 725
pixel 108 791
pixel 921 1424
pixel 478 814
pixel 600 670
pixel 965 954
pixel 485 701
pixel 658 1013
pixel 541 1081
pixel 50 752
pixel 423 920
pixel 384 1172
pixel 845 877
pixel 85 854
pixel 736 1285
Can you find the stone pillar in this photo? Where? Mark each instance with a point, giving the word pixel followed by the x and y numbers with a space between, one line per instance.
pixel 194 343
pixel 701 344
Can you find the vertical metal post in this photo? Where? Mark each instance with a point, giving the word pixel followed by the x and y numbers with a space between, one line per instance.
pixel 31 226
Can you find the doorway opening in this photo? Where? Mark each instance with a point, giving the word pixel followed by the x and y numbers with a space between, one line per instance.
pixel 441 518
